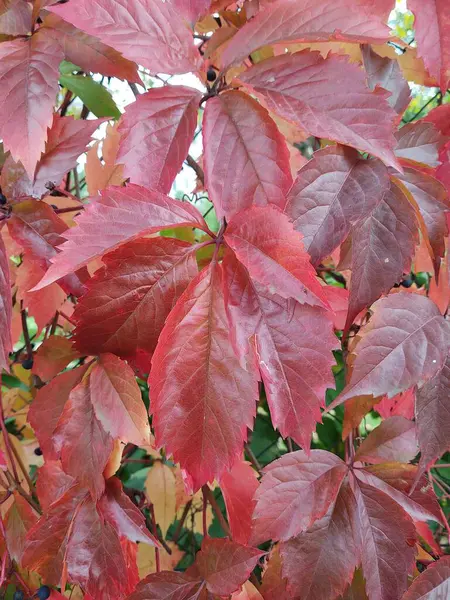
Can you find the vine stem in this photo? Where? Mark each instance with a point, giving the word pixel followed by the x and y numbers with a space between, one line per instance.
pixel 183 518
pixel 212 500
pixel 155 533
pixel 205 508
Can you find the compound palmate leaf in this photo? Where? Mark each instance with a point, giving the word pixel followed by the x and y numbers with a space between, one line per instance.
pixel 203 401
pixel 433 584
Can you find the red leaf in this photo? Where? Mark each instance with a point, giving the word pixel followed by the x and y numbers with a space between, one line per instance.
pixel 393 440
pixel 118 215
pixel 297 87
pixel 265 242
pixel 117 401
pixel 246 158
pixel 405 343
pixel 401 405
pixel 81 441
pixel 382 250
pixel 18 520
pixel 53 356
pixel 386 73
pixel 332 192
pixel 52 483
pixel 269 332
pixel 146 32
pixel 168 585
pixel 296 490
pixel 308 21
pixel 123 515
pixel 439 116
pixel 225 565
pixel 156 132
pixel 419 144
pixel 192 10
pixel 274 585
pixel 15 17
pixel 433 417
pixel 48 405
pixel 5 307
pixel 433 37
pixel 88 52
pixel 320 562
pixel 387 544
pixel 203 431
pixel 432 584
pixel 140 283
pixel 28 86
pixel 238 488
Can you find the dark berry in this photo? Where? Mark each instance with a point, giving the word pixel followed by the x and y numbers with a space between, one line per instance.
pixel 18 595
pixel 27 364
pixel 43 592
pixel 3 200
pixel 407 282
pixel 38 451
pixel 54 206
pixel 211 74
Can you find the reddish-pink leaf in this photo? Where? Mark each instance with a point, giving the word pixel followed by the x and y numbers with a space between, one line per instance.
pixel 125 517
pixel 393 440
pixel 52 483
pixel 191 10
pixel 265 241
pixel 53 356
pixel 156 132
pixel 246 159
pixel 140 283
pixel 433 417
pixel 320 562
pixel 274 585
pixel 117 401
pixel 382 250
pixel 386 73
pixel 15 17
pixel 270 332
pixel 48 405
pixel 432 27
pixel 295 491
pixel 28 86
pixel 81 441
pixel 168 585
pixel 337 298
pixel 332 192
pixel 387 537
pixel 19 519
pixel 205 430
pixel 5 307
pixel 225 565
pixel 307 21
pixel 405 343
pixel 419 144
pixel 238 488
pixel 297 87
pixel 433 584
pixel 148 32
pixel 440 117
pixel 88 52
pixel 118 215
pixel 94 556
pixel 401 405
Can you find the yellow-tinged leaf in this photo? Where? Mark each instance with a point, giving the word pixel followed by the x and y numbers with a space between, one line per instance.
pixel 161 491
pixel 113 464
pixel 23 375
pixel 146 560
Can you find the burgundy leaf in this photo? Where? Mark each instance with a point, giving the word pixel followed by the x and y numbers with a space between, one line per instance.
pixel 15 17
pixel 307 21
pixel 28 86
pixel 148 32
pixel 118 215
pixel 419 144
pixel 18 520
pixel 382 250
pixel 168 585
pixel 156 132
pixel 141 282
pixel 246 158
pixel 405 343
pixel 238 488
pixel 332 192
pixel 297 88
pixel 5 307
pixel 433 583
pixel 203 431
pixel 296 490
pixel 393 440
pixel 52 483
pixel 265 242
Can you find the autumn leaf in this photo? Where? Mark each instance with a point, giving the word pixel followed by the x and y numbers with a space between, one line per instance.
pixel 5 307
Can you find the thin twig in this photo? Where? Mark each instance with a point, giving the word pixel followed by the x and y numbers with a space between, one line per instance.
pixel 197 168
pixel 77 183
pixel 68 209
pixel 205 508
pixel 212 500
pixel 423 108
pixel 134 89
pixel 26 334
pixel 252 457
pixel 179 528
pixel 22 467
pixel 155 533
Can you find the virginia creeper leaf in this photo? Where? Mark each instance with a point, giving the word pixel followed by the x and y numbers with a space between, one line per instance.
pixel 405 343
pixel 18 520
pixel 307 21
pixel 332 192
pixel 419 144
pixel 433 583
pixel 238 488
pixel 204 430
pixel 52 483
pixel 393 440
pixel 265 242
pixel 148 32
pixel 246 158
pixel 156 132
pixel 28 86
pixel 52 356
pixel 118 215
pixel 168 585
pixel 5 307
pixel 297 87
pixel 92 93
pixel 15 17
pixel 296 490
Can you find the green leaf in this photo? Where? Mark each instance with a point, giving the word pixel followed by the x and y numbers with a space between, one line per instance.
pixel 92 94
pixel 67 67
